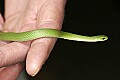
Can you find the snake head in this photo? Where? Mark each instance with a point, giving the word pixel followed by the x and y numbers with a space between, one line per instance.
pixel 102 37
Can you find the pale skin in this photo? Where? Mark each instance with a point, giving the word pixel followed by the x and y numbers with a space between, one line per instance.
pixel 26 15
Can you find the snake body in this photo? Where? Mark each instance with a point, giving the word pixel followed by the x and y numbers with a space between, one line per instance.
pixel 46 32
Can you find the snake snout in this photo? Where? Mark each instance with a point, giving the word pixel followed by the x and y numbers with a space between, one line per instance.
pixel 104 38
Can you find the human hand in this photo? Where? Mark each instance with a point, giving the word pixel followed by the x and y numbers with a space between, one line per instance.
pixel 26 15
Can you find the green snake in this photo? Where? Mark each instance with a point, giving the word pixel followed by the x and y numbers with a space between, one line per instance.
pixel 47 32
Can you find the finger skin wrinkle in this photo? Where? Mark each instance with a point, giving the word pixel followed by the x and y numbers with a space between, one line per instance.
pixel 53 14
pixel 45 41
pixel 9 55
pixel 13 4
pixel 2 43
pixel 9 24
pixel 50 24
pixel 2 58
pixel 12 72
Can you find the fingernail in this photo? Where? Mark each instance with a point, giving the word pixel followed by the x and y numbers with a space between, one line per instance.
pixel 36 72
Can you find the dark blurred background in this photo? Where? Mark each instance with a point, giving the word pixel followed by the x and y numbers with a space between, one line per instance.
pixel 71 60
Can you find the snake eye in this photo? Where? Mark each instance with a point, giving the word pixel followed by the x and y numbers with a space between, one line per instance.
pixel 103 38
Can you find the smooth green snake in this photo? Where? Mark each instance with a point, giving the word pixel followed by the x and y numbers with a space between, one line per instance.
pixel 47 32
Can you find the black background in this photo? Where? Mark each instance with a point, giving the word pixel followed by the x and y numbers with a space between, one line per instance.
pixel 72 60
